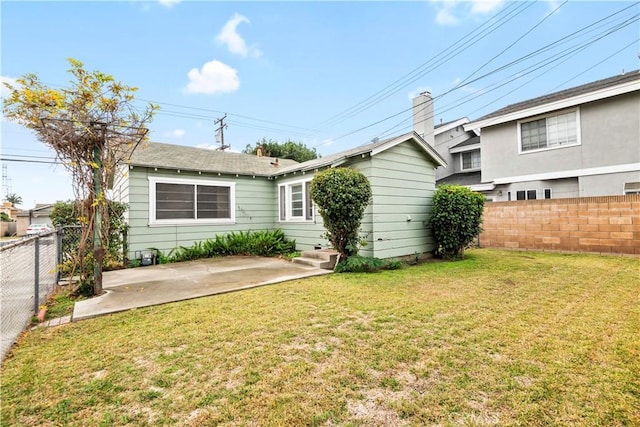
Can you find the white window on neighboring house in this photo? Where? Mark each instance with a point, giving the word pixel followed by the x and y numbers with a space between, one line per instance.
pixel 185 201
pixel 632 188
pixel 547 193
pixel 295 201
pixel 470 160
pixel 551 131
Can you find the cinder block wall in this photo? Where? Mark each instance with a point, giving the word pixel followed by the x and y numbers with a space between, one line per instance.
pixel 609 224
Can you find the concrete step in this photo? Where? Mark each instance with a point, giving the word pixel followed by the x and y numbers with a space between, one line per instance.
pixel 314 262
pixel 326 254
pixel 323 258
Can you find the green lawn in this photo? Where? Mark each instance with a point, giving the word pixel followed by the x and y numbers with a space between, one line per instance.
pixel 501 338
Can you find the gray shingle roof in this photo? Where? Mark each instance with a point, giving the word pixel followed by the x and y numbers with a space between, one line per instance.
pixel 468 178
pixel 362 149
pixel 563 94
pixel 471 141
pixel 171 156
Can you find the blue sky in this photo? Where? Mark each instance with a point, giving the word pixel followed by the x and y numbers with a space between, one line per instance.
pixel 323 73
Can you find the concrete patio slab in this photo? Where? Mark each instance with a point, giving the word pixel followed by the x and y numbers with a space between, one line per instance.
pixel 160 284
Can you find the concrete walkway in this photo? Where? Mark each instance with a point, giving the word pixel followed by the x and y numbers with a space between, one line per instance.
pixel 160 284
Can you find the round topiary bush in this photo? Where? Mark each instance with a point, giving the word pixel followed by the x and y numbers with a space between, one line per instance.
pixel 455 219
pixel 342 195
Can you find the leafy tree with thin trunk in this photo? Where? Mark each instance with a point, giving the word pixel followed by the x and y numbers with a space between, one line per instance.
pixel 14 199
pixel 284 150
pixel 93 127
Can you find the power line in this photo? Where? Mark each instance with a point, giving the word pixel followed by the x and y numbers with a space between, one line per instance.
pixel 566 55
pixel 221 112
pixel 449 52
pixel 30 161
pixel 608 31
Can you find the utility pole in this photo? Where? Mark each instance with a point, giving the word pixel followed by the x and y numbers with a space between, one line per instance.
pixel 6 182
pixel 220 133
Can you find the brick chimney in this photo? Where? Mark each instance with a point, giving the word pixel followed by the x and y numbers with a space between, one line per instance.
pixel 423 116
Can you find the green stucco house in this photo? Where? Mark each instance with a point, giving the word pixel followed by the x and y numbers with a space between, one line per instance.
pixel 178 195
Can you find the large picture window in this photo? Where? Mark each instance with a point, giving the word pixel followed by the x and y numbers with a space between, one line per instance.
pixel 174 201
pixel 295 202
pixel 552 131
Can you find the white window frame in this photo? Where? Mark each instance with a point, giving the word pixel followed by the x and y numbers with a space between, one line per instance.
pixel 153 180
pixel 544 193
pixel 626 191
pixel 462 168
pixel 288 199
pixel 546 116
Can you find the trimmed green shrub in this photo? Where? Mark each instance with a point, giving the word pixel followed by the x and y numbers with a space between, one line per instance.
pixel 362 264
pixel 342 195
pixel 455 219
pixel 258 243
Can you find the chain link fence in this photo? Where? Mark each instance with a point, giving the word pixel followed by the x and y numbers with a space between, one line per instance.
pixel 30 269
pixel 28 276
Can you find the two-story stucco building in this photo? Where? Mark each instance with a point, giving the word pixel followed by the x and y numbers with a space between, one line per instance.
pixel 583 141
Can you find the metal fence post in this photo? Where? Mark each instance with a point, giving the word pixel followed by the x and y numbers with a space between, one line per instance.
pixel 125 247
pixel 59 252
pixel 36 280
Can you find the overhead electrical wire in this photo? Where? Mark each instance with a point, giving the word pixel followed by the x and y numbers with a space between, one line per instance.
pixel 222 112
pixel 565 55
pixel 505 15
pixel 628 21
pixel 53 162
pixel 435 62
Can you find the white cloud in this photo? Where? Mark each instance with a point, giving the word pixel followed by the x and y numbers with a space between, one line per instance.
pixel 4 91
pixel 214 77
pixel 168 3
pixel 176 133
pixel 452 12
pixel 445 14
pixel 485 6
pixel 233 41
pixel 216 146
pixel 553 5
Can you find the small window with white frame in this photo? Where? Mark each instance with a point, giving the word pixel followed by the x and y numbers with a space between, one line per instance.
pixel 189 201
pixel 470 160
pixel 560 129
pixel 631 188
pixel 295 202
pixel 547 193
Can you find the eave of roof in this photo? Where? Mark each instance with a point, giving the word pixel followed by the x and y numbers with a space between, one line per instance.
pixel 372 149
pixel 601 89
pixel 444 127
pixel 468 144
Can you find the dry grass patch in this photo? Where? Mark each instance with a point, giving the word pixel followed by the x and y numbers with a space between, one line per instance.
pixel 501 338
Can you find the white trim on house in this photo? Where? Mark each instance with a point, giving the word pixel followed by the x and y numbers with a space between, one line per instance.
pixel 421 142
pixel 603 170
pixel 557 105
pixel 447 127
pixel 481 187
pixel 465 148
pixel 545 116
pixel 288 200
pixel 153 180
